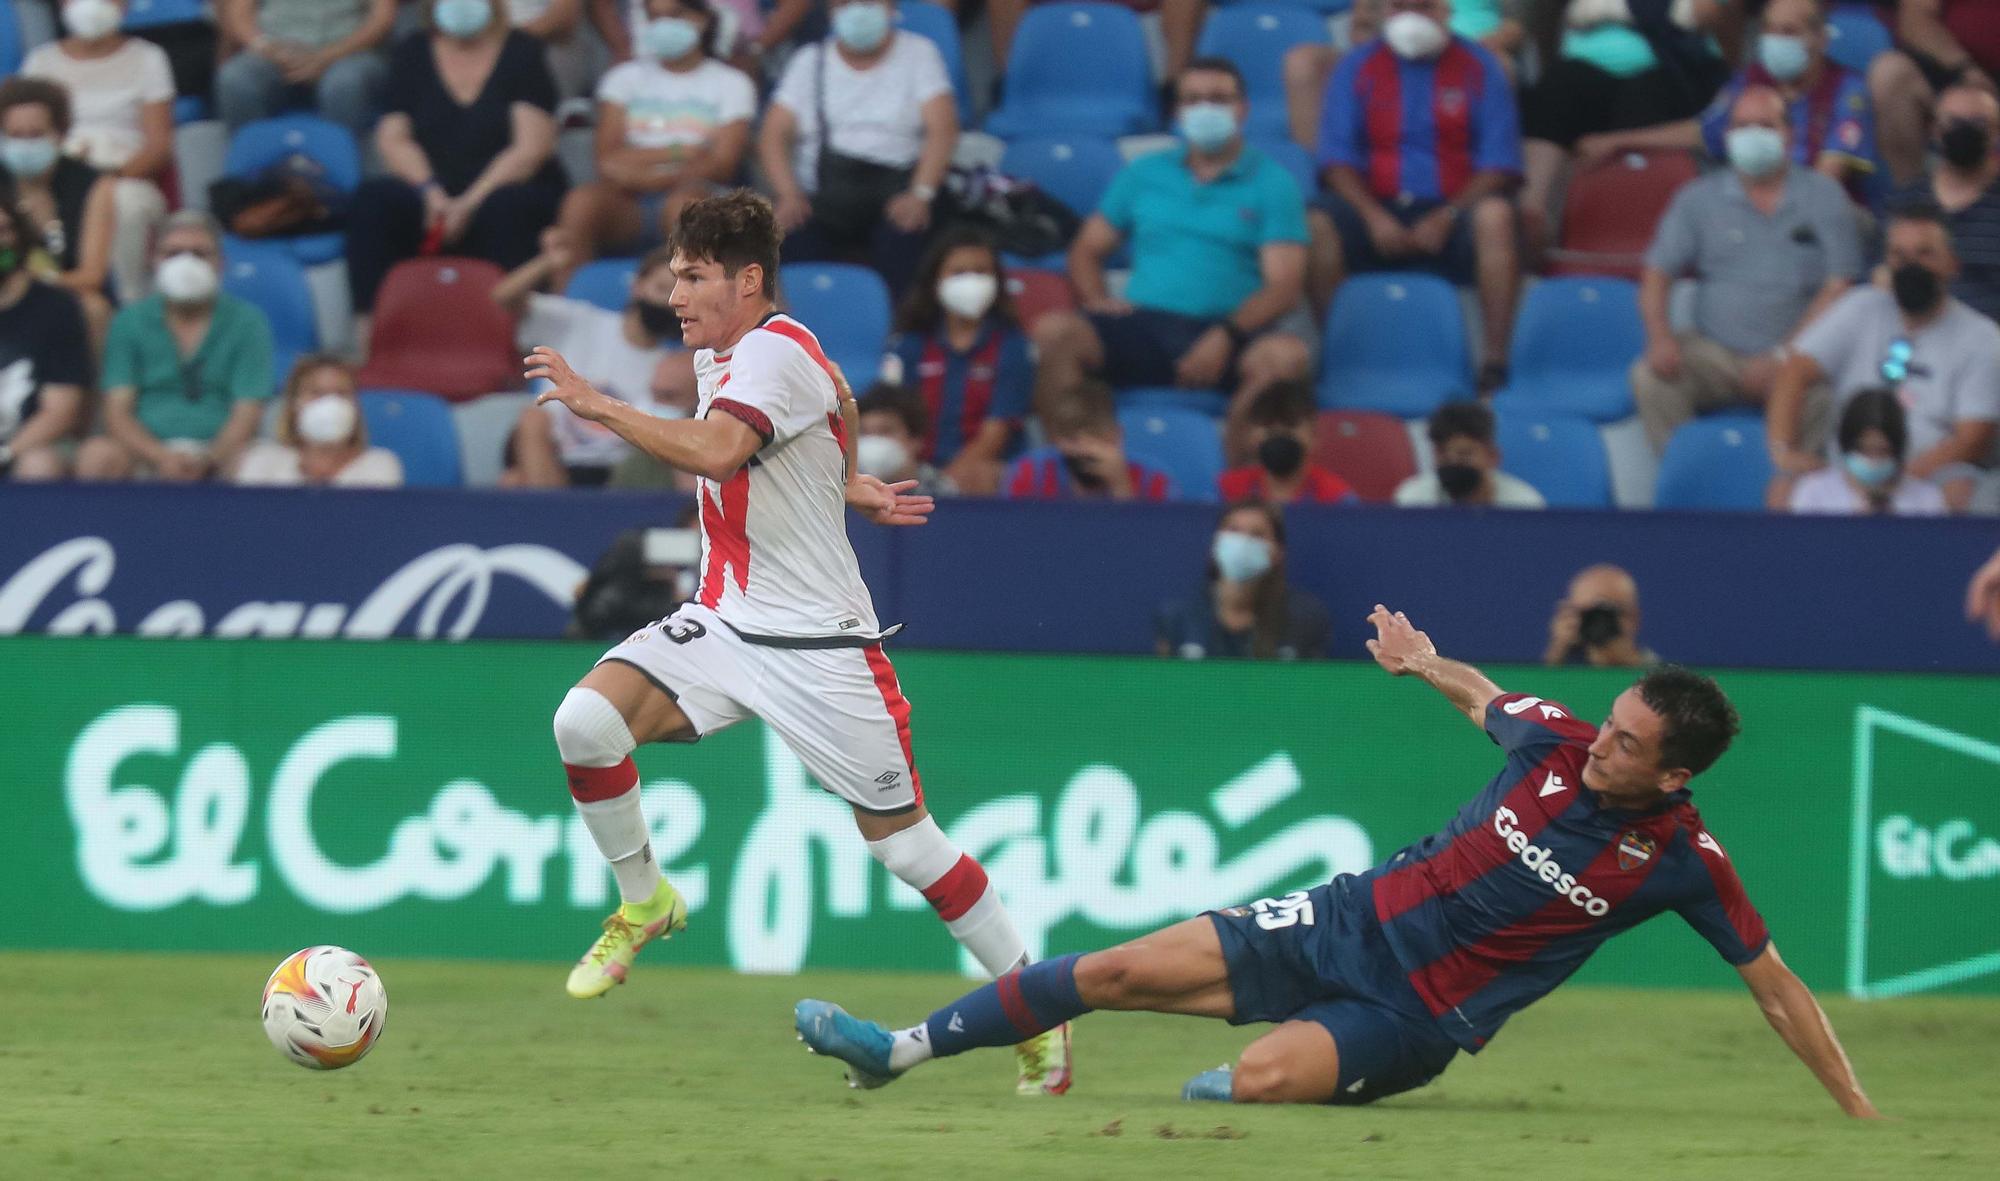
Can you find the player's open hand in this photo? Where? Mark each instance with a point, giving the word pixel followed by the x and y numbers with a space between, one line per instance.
pixel 565 386
pixel 1397 643
pixel 888 504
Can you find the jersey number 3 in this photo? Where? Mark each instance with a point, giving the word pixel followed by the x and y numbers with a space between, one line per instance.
pixel 1275 914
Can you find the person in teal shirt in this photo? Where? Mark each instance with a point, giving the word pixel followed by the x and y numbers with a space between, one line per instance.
pixel 187 371
pixel 1218 237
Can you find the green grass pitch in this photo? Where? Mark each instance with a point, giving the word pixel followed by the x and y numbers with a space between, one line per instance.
pixel 155 1066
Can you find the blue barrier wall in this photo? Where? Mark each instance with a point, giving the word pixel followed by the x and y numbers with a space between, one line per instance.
pixel 1725 589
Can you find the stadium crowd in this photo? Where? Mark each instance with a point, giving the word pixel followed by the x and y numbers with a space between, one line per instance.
pixel 1499 252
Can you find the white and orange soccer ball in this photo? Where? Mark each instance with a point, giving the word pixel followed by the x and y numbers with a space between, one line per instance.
pixel 324 1007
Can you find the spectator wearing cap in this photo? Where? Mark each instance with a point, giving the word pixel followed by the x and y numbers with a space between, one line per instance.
pixel 1217 234
pixel 672 126
pixel 894 424
pixel 959 345
pixel 1906 332
pixel 1427 190
pixel 1874 440
pixel 322 55
pixel 1965 186
pixel 1247 608
pixel 120 121
pixel 1465 468
pixel 1939 44
pixel 1770 244
pixel 1279 433
pixel 1085 456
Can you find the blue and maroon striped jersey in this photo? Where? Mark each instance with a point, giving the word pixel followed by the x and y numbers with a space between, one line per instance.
pixel 1492 913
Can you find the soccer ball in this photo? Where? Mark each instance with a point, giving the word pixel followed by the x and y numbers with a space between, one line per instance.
pixel 324 1007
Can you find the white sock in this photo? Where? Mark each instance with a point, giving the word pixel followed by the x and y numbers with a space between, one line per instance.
pixel 912 1046
pixel 596 748
pixel 618 825
pixel 956 886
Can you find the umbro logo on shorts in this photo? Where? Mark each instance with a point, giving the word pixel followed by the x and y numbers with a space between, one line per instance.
pixel 888 778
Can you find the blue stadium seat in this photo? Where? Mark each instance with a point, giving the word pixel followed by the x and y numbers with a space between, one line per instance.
pixel 1560 454
pixel 151 14
pixel 1717 462
pixel 1323 7
pixel 1295 160
pixel 1256 37
pixel 12 47
pixel 419 429
pixel 1855 35
pixel 936 22
pixel 1074 169
pixel 847 307
pixel 1394 342
pixel 1185 444
pixel 267 275
pixel 1077 69
pixel 191 108
pixel 1574 341
pixel 257 146
pixel 1173 399
pixel 606 283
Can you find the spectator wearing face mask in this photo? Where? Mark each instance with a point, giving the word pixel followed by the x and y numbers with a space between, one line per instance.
pixel 45 370
pixel 1085 455
pixel 1965 185
pixel 1907 333
pixel 960 347
pixel 1247 610
pixel 187 371
pixel 633 355
pixel 749 31
pixel 1939 44
pixel 856 141
pixel 894 424
pixel 1466 467
pixel 323 55
pixel 1874 438
pixel 1769 245
pixel 70 210
pixel 1597 622
pixel 672 125
pixel 322 440
pixel 120 122
pixel 1279 433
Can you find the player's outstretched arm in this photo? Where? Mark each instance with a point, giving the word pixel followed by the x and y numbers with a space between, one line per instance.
pixel 1405 652
pixel 882 503
pixel 713 447
pixel 1790 1008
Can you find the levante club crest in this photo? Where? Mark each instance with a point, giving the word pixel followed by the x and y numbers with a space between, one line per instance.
pixel 1635 849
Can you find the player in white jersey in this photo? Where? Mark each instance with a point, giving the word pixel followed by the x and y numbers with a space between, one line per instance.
pixel 781 627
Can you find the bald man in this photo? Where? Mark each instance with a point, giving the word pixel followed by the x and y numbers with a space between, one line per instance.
pixel 1963 185
pixel 1597 623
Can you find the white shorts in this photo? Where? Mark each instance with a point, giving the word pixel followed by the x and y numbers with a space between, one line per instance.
pixel 840 710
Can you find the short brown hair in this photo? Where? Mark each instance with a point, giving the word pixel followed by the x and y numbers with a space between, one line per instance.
pixel 736 229
pixel 901 401
pixel 1086 408
pixel 22 91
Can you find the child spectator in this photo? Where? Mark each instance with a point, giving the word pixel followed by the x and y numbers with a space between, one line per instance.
pixel 1279 432
pixel 1466 470
pixel 1874 439
pixel 1085 456
pixel 893 427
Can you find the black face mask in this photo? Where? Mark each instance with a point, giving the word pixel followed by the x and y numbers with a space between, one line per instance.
pixel 1083 472
pixel 660 321
pixel 1281 455
pixel 1459 480
pixel 1598 625
pixel 1917 289
pixel 1963 144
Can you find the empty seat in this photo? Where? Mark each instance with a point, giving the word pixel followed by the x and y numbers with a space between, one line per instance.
pixel 1574 341
pixel 1394 342
pixel 1610 212
pixel 1208 402
pixel 438 329
pixel 1855 35
pixel 1037 292
pixel 606 283
pixel 1185 444
pixel 13 49
pixel 847 308
pixel 1718 462
pixel 1560 454
pixel 1077 69
pixel 936 23
pixel 1256 38
pixel 151 14
pixel 256 146
pixel 1370 450
pixel 1074 169
pixel 268 276
pixel 418 428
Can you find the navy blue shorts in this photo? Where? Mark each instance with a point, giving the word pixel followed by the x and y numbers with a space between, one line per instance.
pixel 1357 250
pixel 1320 955
pixel 1142 346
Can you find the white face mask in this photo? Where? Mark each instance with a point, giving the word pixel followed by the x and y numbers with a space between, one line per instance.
pixel 91 19
pixel 969 295
pixel 326 419
pixel 1413 36
pixel 186 279
pixel 881 456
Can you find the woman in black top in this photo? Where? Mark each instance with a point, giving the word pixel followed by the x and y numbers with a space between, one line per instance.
pixel 469 139
pixel 68 211
pixel 1246 609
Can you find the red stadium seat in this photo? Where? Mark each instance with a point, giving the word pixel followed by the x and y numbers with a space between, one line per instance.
pixel 1611 210
pixel 1036 293
pixel 1368 449
pixel 438 330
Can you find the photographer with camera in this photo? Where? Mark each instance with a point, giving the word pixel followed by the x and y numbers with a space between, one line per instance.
pixel 1597 623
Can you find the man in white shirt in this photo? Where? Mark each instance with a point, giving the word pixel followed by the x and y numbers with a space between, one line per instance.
pixel 1467 468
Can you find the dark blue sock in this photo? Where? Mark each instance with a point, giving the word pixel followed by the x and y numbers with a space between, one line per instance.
pixel 1010 1010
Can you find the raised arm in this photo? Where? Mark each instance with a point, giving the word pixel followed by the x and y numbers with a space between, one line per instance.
pixel 1790 1008
pixel 1404 651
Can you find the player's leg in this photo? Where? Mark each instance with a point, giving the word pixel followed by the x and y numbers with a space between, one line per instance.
pixel 1297 1062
